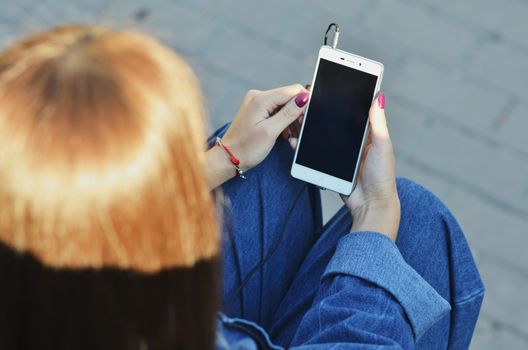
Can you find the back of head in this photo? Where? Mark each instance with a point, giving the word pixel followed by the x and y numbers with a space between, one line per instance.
pixel 108 238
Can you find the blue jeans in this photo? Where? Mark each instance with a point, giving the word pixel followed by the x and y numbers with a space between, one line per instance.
pixel 275 217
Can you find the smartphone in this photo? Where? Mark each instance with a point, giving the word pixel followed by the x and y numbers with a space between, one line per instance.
pixel 335 124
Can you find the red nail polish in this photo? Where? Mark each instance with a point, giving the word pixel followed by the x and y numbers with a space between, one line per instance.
pixel 301 99
pixel 381 100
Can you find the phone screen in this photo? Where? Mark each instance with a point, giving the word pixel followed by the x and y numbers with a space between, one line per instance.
pixel 336 119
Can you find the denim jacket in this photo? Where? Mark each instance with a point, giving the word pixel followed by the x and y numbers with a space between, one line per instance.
pixel 368 297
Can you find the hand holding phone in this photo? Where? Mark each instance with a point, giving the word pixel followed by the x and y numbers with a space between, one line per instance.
pixel 374 204
pixel 336 120
pixel 263 115
pixel 344 141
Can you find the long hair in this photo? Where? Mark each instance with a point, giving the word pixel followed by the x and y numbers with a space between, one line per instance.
pixel 108 235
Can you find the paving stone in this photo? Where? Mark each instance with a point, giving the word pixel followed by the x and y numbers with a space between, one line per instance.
pixel 256 63
pixel 13 16
pixel 491 229
pixel 38 15
pixel 450 94
pixel 502 66
pixel 349 8
pixel 507 17
pixel 8 37
pixel 441 188
pixel 175 25
pixel 505 297
pixel 422 30
pixel 308 32
pixel 484 167
pixel 514 129
pixel 269 17
pixel 223 98
pixel 407 126
pixel 331 203
pixel 307 37
pixel 490 335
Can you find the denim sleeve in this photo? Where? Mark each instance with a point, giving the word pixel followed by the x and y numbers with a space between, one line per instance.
pixel 369 297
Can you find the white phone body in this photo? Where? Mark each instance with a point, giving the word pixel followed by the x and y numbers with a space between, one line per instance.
pixel 316 177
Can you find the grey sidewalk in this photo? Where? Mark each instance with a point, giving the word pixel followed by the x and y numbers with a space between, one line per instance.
pixel 457 95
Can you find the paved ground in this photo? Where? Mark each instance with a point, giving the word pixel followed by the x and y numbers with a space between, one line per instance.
pixel 457 98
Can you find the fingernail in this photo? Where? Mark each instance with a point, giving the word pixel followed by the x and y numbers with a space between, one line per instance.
pixel 381 100
pixel 301 99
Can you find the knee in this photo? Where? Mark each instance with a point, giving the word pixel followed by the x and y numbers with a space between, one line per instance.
pixel 426 223
pixel 431 240
pixel 418 200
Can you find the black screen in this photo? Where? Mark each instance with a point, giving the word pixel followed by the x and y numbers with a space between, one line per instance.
pixel 336 119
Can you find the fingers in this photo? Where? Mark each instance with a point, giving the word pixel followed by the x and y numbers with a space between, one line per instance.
pixel 287 114
pixel 272 99
pixel 379 131
pixel 294 129
pixel 286 133
pixel 293 142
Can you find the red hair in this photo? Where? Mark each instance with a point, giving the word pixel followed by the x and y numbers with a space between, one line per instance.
pixel 102 153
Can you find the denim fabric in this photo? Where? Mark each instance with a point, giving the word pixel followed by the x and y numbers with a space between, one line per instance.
pixel 324 288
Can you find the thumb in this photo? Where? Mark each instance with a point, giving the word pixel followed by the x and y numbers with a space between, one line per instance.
pixel 379 131
pixel 288 113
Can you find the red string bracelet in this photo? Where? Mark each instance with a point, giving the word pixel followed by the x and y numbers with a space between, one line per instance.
pixel 234 160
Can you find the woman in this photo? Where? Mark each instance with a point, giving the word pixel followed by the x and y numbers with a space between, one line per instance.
pixel 109 239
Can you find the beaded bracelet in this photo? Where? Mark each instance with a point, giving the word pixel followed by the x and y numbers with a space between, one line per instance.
pixel 234 160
